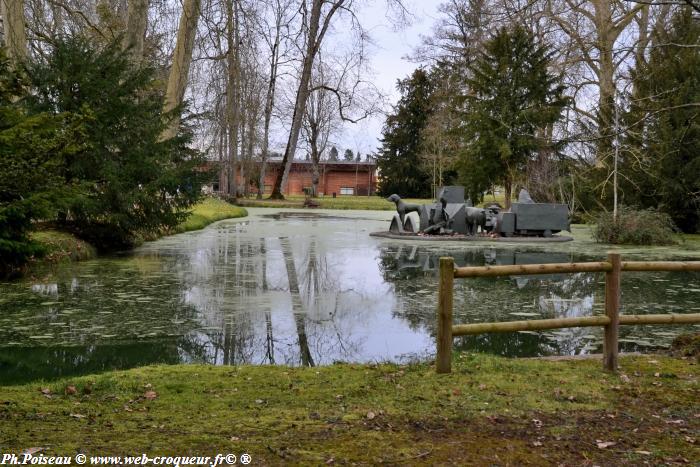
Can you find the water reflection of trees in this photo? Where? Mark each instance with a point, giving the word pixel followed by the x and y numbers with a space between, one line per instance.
pixel 242 287
pixel 412 270
pixel 230 296
pixel 93 317
pixel 23 364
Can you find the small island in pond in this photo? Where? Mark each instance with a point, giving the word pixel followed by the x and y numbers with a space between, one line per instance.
pixel 454 218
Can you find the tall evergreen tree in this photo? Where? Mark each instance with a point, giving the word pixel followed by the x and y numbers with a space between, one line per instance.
pixel 661 162
pixel 511 97
pixel 136 181
pixel 398 159
pixel 348 155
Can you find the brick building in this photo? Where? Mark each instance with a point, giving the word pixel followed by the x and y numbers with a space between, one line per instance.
pixel 339 177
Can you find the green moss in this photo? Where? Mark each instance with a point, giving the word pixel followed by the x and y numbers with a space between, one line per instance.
pixel 208 211
pixel 488 410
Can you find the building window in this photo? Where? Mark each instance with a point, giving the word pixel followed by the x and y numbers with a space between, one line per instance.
pixel 268 189
pixel 347 190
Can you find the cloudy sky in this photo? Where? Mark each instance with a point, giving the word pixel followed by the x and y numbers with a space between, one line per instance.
pixel 389 62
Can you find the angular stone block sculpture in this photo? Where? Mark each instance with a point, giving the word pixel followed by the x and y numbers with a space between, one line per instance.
pixel 453 215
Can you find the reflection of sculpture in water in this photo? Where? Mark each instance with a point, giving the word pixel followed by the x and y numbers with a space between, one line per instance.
pixel 412 271
pixel 453 215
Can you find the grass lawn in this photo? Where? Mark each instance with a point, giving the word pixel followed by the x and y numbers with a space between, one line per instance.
pixel 489 411
pixel 374 202
pixel 377 203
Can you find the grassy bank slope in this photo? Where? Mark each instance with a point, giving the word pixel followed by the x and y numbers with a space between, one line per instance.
pixel 490 410
pixel 207 211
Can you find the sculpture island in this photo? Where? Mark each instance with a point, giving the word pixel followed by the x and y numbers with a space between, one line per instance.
pixel 454 218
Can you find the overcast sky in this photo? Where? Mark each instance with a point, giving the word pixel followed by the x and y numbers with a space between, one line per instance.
pixel 388 59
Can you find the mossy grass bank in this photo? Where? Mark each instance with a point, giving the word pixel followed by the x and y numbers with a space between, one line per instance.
pixel 490 410
pixel 64 246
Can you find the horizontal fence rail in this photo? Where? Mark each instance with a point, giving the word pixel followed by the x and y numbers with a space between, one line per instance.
pixel 579 322
pixel 528 269
pixel 661 266
pixel 610 321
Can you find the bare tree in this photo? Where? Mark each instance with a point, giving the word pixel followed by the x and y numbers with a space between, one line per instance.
pixel 275 31
pixel 594 27
pixel 316 21
pixel 179 69
pixel 252 84
pixel 320 121
pixel 232 91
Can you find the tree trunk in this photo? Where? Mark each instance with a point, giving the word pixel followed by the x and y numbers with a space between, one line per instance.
pixel 315 160
pixel 313 44
pixel 179 70
pixel 269 104
pixel 508 192
pixel 606 79
pixel 607 30
pixel 57 15
pixel 223 177
pixel 252 118
pixel 136 23
pixel 232 95
pixel 14 32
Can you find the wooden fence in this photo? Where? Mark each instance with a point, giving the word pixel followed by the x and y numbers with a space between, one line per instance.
pixel 612 268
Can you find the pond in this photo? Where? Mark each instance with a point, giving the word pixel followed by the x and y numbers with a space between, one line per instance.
pixel 310 288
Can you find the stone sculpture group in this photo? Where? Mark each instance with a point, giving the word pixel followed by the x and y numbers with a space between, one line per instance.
pixel 453 215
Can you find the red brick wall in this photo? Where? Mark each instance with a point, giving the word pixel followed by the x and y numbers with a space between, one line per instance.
pixel 331 180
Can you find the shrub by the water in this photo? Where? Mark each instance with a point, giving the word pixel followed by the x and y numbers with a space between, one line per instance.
pixel 635 227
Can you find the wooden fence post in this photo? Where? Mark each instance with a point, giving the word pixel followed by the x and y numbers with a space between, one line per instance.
pixel 612 309
pixel 443 360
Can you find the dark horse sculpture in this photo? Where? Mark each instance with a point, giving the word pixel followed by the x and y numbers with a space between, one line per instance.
pixel 402 207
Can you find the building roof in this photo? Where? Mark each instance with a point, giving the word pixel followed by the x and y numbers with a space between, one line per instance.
pixel 344 163
pixel 323 162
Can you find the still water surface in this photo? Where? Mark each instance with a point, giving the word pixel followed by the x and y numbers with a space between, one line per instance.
pixel 307 288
